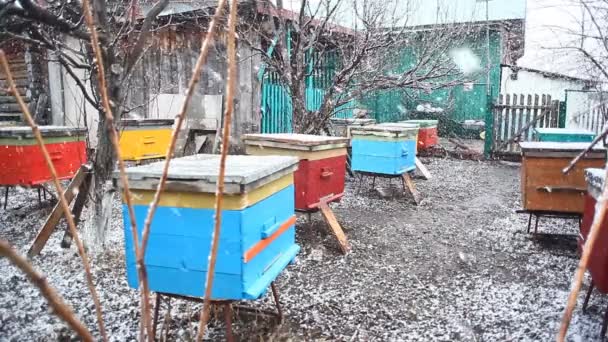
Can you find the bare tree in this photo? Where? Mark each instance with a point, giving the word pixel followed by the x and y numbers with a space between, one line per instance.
pixel 56 25
pixel 364 54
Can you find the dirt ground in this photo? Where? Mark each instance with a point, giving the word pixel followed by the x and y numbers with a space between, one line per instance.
pixel 458 267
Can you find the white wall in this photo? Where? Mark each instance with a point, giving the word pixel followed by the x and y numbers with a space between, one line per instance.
pixel 534 83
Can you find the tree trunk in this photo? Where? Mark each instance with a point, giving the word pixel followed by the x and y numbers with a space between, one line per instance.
pixel 102 191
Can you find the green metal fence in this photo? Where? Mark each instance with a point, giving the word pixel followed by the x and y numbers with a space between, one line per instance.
pixel 276 106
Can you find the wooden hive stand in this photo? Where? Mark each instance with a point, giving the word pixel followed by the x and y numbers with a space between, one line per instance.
pixel 77 189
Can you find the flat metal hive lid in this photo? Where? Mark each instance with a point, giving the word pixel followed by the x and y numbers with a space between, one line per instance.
pixel 390 130
pixel 45 131
pixel 295 141
pixel 146 122
pixel 565 131
pixel 422 123
pixel 552 146
pixel 199 173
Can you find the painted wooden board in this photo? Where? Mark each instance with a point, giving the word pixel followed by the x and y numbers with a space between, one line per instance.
pixel 134 123
pixel 383 157
pixel 559 148
pixel 566 131
pixel 422 123
pixel 301 154
pixel 144 142
pixel 545 187
pixel 307 142
pixel 386 131
pixel 207 199
pixel 199 173
pixel 45 131
pixel 255 244
pixel 598 261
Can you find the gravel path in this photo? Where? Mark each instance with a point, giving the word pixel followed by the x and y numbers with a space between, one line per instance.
pixel 459 267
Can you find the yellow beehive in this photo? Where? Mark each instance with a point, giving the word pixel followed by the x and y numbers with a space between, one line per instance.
pixel 144 139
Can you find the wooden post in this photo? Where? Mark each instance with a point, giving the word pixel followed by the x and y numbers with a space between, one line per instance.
pixel 409 184
pixel 423 170
pixel 57 213
pixel 335 227
pixel 81 199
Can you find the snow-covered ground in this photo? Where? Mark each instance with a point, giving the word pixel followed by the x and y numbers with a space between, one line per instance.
pixel 458 267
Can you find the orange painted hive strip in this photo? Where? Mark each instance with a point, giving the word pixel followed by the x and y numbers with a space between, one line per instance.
pixel 260 246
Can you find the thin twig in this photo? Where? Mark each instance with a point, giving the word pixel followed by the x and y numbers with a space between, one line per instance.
pixel 64 204
pixel 59 306
pixel 219 191
pixel 196 74
pixel 598 219
pixel 103 89
pixel 581 155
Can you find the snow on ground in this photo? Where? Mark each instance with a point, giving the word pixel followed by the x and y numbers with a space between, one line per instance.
pixel 459 267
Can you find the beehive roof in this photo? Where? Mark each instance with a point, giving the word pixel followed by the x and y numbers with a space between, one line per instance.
pixel 199 173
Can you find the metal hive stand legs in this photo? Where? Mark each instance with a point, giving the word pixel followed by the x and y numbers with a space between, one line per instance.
pixel 406 179
pixel 228 308
pixel 604 319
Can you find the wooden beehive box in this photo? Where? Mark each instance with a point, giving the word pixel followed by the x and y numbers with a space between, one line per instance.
pixel 564 135
pixel 384 149
pixel 342 127
pixel 427 133
pixel 544 187
pixel 22 161
pixel 257 238
pixel 322 169
pixel 144 139
pixel 598 263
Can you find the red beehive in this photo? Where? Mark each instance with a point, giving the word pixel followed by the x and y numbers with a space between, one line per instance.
pixel 427 133
pixel 598 263
pixel 322 168
pixel 22 161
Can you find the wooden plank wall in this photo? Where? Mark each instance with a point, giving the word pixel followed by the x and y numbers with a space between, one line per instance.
pixel 514 113
pixel 28 66
pixel 167 66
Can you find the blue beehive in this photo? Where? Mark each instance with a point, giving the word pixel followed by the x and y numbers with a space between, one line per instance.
pixel 388 149
pixel 257 238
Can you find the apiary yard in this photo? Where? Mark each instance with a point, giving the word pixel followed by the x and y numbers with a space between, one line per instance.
pixel 458 267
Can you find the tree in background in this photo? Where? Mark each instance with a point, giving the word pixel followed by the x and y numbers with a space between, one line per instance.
pixel 58 26
pixel 376 51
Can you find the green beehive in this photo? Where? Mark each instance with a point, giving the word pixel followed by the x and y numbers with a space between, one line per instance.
pixel 563 135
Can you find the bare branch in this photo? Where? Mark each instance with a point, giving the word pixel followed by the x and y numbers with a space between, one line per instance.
pixel 64 204
pixel 56 302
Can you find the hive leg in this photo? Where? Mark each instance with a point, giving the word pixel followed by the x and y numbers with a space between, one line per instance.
pixel 536 225
pixel 275 295
pixel 228 321
pixel 529 223
pixel 335 227
pixel 39 198
pixel 604 324
pixel 588 295
pixel 5 196
pixel 360 184
pixel 408 185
